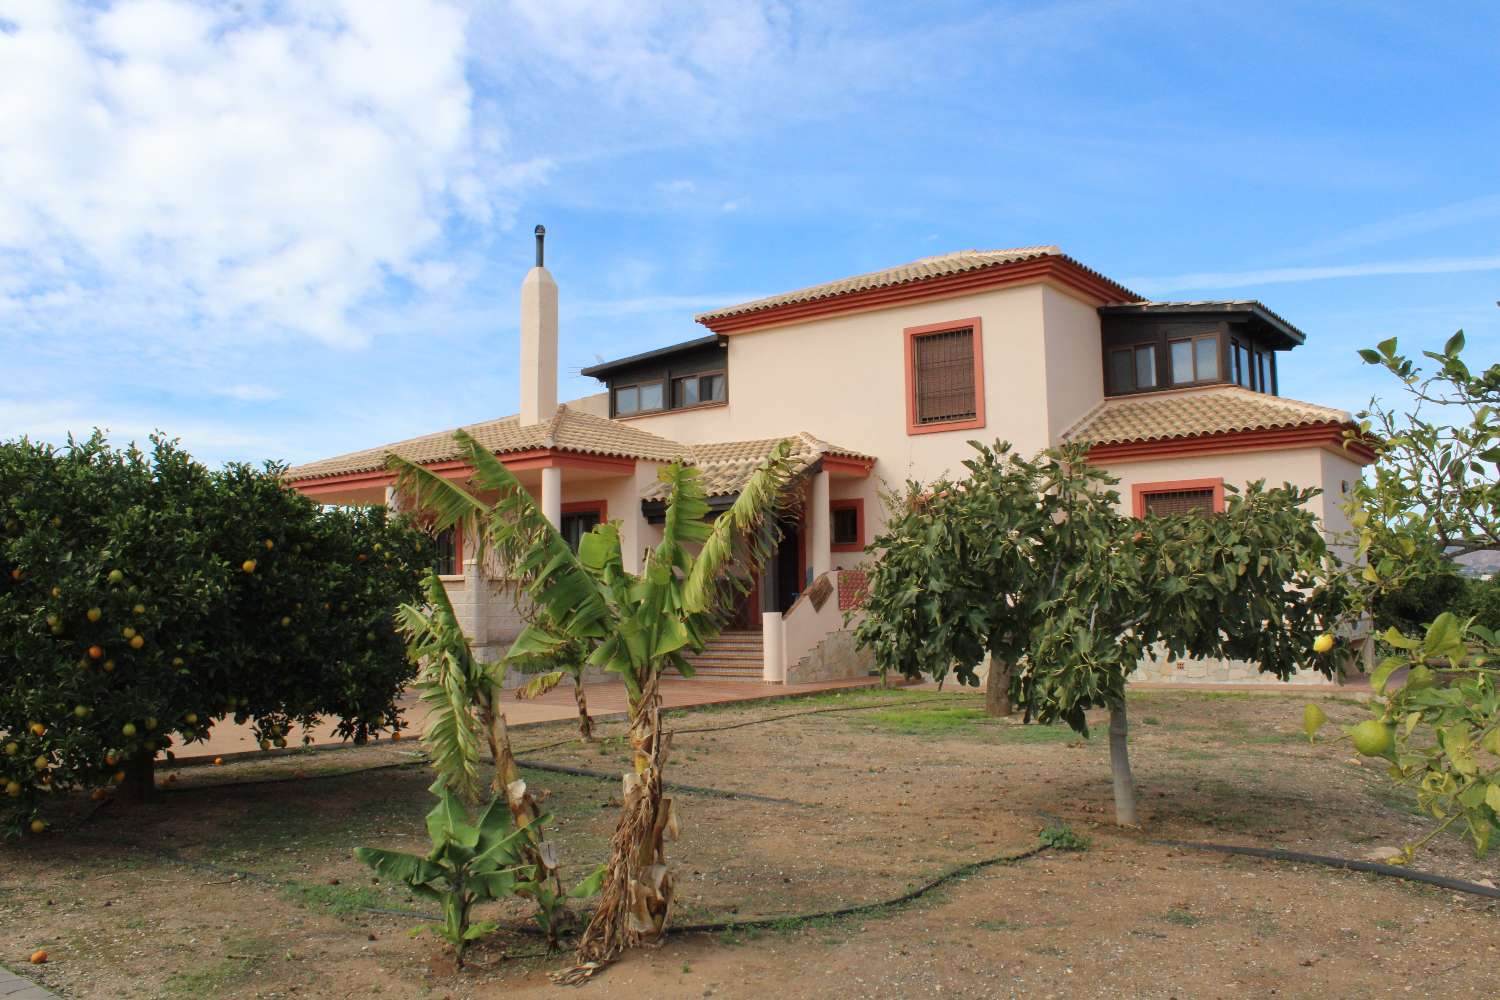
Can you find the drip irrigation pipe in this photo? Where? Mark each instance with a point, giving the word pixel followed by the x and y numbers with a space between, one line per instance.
pixel 716 793
pixel 1349 864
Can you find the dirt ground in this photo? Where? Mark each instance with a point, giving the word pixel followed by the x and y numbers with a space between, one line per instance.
pixel 240 881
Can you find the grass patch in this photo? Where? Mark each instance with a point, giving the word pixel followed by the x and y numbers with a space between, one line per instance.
pixel 1180 917
pixel 1060 837
pixel 1001 925
pixel 339 900
pixel 243 958
pixel 951 720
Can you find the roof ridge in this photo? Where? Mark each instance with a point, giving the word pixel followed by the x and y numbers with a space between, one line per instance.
pixel 554 424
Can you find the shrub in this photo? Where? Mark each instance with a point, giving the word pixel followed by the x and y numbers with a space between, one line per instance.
pixel 144 598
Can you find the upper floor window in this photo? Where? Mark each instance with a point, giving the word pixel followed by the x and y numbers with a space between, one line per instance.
pixel 640 398
pixel 945 377
pixel 1195 359
pixel 1132 368
pixel 1242 372
pixel 695 390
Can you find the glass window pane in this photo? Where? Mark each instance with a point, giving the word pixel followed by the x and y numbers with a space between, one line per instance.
pixel 650 396
pixel 1206 350
pixel 845 526
pixel 1120 379
pixel 627 400
pixel 713 388
pixel 1265 371
pixel 1182 361
pixel 685 391
pixel 1145 367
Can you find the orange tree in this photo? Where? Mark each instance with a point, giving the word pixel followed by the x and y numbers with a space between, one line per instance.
pixel 1030 563
pixel 145 597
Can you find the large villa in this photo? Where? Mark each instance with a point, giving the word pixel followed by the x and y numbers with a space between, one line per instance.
pixel 877 379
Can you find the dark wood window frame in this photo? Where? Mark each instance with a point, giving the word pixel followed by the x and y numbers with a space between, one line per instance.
pixel 1193 356
pixel 444 564
pixel 599 508
pixel 912 336
pixel 1143 495
pixel 672 401
pixel 614 397
pixel 857 505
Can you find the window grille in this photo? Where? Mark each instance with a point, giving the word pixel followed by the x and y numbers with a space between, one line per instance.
pixel 943 370
pixel 1168 503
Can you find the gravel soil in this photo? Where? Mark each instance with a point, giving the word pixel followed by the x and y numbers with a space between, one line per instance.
pixel 239 881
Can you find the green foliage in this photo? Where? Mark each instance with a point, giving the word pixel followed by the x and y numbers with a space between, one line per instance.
pixel 1060 837
pixel 471 862
pixel 456 687
pixel 1031 562
pixel 1442 720
pixel 1434 495
pixel 145 597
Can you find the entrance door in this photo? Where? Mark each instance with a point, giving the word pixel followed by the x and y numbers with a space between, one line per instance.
pixel 779 581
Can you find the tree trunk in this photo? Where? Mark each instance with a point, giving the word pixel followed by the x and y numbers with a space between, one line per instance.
pixel 140 777
pixel 636 898
pixel 523 807
pixel 585 724
pixel 997 688
pixel 1119 763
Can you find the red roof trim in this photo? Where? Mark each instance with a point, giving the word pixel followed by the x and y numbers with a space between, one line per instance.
pixel 1329 435
pixel 1057 268
pixel 516 461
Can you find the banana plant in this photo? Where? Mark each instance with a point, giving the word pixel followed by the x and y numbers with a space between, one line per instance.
pixel 639 625
pixel 463 698
pixel 470 862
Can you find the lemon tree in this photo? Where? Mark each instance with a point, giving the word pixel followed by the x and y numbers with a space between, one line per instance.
pixel 145 597
pixel 1029 563
pixel 1433 497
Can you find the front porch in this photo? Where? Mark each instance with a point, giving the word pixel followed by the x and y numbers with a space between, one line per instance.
pixel 582 470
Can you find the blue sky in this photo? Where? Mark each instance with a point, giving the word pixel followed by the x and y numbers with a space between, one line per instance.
pixel 291 229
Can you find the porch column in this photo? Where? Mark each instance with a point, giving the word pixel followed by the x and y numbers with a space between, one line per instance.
pixel 773 646
pixel 392 500
pixel 817 520
pixel 552 495
pixel 472 606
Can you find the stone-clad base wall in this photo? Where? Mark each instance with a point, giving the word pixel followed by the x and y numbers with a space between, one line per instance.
pixel 833 659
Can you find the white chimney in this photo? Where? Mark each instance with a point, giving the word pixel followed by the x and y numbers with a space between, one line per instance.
pixel 538 341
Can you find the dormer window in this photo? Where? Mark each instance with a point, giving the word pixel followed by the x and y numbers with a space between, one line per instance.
pixel 695 390
pixel 640 398
pixel 1152 346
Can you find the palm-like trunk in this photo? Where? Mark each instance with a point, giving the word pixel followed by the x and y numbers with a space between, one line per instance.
pixel 1119 762
pixel 585 724
pixel 523 807
pixel 636 899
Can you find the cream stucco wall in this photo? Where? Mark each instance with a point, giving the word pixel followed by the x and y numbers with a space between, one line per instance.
pixel 843 378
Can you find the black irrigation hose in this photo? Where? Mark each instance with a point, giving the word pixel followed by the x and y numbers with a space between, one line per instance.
pixel 714 793
pixel 1372 867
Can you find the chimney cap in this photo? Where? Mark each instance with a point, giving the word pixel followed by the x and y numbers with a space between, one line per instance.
pixel 541 234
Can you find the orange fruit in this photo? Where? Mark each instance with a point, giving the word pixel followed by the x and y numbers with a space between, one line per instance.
pixel 270 545
pixel 137 641
pixel 248 565
pixel 96 652
pixel 39 956
pixel 13 789
pixel 1323 643
pixel 37 826
pixel 119 777
pixel 218 762
pixel 94 614
pixel 37 729
pixel 116 576
pixel 1373 738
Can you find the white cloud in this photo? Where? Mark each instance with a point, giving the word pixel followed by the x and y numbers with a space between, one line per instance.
pixel 262 168
pixel 1277 275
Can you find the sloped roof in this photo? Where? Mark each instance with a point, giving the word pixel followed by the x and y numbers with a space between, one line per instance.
pixel 1210 307
pixel 939 266
pixel 569 429
pixel 726 466
pixel 1186 413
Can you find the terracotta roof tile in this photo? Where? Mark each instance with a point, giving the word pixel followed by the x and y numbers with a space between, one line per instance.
pixel 727 465
pixel 569 429
pixel 917 270
pixel 1184 413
